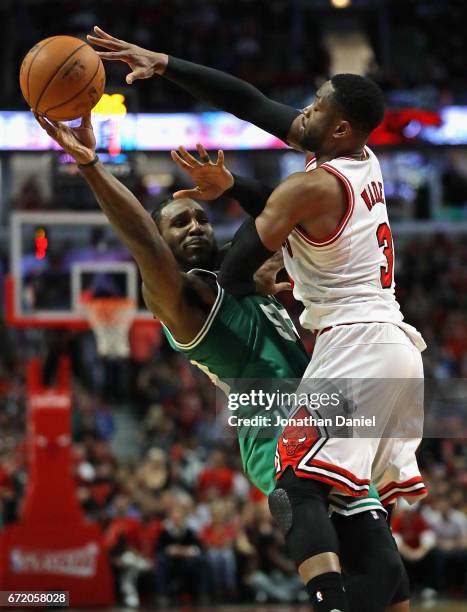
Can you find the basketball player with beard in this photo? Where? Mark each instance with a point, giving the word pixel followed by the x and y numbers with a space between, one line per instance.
pixel 205 323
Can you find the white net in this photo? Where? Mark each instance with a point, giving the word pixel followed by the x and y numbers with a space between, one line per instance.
pixel 111 319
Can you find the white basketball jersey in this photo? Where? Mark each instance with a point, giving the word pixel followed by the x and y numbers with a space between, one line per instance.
pixel 348 277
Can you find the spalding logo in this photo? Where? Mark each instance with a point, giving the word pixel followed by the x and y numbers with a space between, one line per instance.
pixel 73 73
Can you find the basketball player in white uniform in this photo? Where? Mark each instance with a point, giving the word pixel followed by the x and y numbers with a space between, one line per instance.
pixel 345 279
pixel 341 259
pixel 334 225
pixel 346 283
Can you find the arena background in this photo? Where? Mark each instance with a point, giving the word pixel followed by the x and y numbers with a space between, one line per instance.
pixel 145 447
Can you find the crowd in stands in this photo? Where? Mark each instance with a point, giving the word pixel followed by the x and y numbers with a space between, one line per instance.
pixel 181 522
pixel 423 52
pixel 267 43
pixel 276 45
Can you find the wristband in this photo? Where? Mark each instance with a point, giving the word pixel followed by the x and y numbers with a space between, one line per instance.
pixel 93 162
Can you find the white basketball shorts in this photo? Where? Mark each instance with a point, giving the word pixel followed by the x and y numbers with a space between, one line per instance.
pixel 376 369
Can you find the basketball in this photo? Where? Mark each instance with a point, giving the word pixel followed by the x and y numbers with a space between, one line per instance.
pixel 62 77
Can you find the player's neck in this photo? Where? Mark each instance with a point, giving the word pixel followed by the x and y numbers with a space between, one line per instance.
pixel 359 154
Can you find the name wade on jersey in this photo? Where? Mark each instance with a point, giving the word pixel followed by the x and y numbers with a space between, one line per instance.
pixel 373 194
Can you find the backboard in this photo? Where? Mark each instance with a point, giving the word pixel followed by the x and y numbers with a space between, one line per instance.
pixel 59 259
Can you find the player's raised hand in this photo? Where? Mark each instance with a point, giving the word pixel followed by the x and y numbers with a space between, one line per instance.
pixel 79 141
pixel 212 179
pixel 266 277
pixel 143 63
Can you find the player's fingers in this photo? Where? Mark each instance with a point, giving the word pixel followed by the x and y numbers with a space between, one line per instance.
pixel 277 260
pixel 86 120
pixel 112 55
pixel 220 158
pixel 56 124
pixel 188 157
pixel 103 34
pixel 181 163
pixel 278 287
pixel 59 126
pixel 277 266
pixel 41 121
pixel 188 193
pixel 45 124
pixel 204 155
pixel 134 76
pixel 107 44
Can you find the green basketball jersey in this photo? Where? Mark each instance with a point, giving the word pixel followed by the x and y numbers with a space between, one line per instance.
pixel 253 338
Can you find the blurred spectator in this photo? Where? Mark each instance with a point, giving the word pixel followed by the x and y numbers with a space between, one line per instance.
pixel 159 428
pixel 450 528
pixel 275 576
pixel 30 196
pixel 251 40
pixel 180 563
pixel 123 539
pixel 417 545
pixel 179 489
pixel 449 525
pixel 153 474
pixel 277 45
pixel 218 538
pixel 103 486
pixel 216 476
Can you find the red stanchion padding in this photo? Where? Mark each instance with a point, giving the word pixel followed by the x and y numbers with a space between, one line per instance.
pixel 53 547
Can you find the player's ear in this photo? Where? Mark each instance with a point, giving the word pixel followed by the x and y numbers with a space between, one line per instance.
pixel 343 129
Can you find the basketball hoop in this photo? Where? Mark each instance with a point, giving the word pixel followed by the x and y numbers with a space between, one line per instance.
pixel 110 319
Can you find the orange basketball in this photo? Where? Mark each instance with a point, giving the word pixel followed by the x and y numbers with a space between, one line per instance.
pixel 62 77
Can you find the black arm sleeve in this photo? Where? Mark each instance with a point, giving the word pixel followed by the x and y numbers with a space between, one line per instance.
pixel 251 194
pixel 244 257
pixel 232 95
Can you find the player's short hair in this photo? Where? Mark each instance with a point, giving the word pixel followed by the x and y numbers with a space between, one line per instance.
pixel 156 212
pixel 361 100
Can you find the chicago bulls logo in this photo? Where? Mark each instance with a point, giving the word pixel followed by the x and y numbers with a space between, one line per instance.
pixel 298 432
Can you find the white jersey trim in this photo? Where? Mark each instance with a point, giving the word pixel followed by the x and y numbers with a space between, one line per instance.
pixel 206 327
pixel 342 224
pixel 405 490
pixel 347 507
pixel 311 161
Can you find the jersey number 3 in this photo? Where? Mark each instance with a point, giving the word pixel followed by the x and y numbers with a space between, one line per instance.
pixel 384 236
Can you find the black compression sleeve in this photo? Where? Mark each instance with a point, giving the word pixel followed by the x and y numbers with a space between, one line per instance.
pixel 251 194
pixel 244 257
pixel 232 95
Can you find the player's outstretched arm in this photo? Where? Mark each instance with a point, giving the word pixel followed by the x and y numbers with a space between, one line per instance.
pixel 299 197
pixel 214 180
pixel 218 88
pixel 164 284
